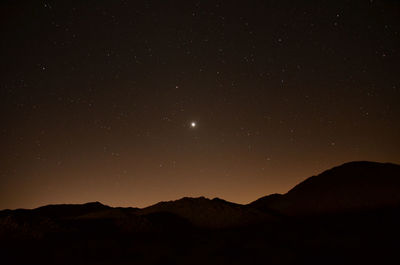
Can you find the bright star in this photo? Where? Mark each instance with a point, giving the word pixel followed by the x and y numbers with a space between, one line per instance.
pixel 193 124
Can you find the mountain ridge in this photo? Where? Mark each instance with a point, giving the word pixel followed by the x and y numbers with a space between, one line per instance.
pixel 367 176
pixel 274 229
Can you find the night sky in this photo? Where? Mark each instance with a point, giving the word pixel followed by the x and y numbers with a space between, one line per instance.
pixel 98 97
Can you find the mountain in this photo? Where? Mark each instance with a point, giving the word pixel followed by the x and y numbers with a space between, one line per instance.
pixel 346 215
pixel 69 210
pixel 215 213
pixel 267 203
pixel 352 186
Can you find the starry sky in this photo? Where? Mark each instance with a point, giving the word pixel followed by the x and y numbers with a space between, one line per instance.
pixel 98 98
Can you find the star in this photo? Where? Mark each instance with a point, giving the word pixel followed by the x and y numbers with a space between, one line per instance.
pixel 193 124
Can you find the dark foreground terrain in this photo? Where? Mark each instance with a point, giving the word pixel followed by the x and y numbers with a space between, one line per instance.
pixel 346 215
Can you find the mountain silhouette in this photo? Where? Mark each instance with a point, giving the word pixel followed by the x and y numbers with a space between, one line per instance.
pixel 349 187
pixel 215 213
pixel 346 215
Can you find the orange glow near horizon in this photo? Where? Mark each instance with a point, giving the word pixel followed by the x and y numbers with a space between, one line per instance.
pixel 138 102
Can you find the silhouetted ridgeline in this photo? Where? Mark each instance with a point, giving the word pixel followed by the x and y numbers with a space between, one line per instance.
pixel 346 215
pixel 350 187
